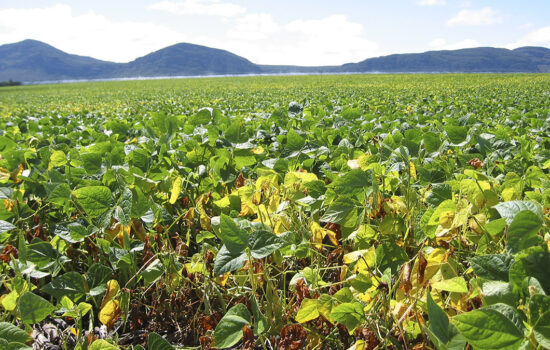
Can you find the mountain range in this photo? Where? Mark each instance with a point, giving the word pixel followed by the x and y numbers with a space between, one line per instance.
pixel 35 61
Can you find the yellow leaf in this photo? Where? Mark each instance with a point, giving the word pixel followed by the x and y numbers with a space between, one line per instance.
pixel 282 224
pixel 75 331
pixel 176 189
pixel 205 223
pixel 4 175
pixel 189 217
pixel 412 170
pixel 360 163
pixel 109 313
pixel 113 231
pixel 446 218
pixel 222 280
pixel 359 345
pixel 9 301
pixel 295 178
pixel 267 182
pixel 365 258
pixel 317 235
pixel 123 230
pixel 112 290
pixel 138 229
pixel 9 204
pixel 258 150
pixel 274 201
pixel 332 236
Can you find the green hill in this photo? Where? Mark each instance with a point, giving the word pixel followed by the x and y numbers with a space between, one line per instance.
pixel 35 61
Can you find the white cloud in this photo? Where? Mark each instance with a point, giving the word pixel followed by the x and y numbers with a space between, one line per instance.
pixel 484 16
pixel 88 34
pixel 259 37
pixel 538 37
pixel 431 2
pixel 437 43
pixel 199 7
pixel 442 44
pixel 254 26
pixel 331 40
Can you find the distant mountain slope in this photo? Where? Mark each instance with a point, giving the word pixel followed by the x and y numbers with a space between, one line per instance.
pixel 540 55
pixel 34 61
pixel 476 60
pixel 188 59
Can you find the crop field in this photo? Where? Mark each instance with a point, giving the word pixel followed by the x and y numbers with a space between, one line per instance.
pixel 308 212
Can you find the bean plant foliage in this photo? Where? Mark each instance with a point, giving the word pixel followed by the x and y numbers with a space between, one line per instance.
pixel 344 212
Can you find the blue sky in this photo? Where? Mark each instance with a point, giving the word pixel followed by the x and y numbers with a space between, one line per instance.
pixel 276 32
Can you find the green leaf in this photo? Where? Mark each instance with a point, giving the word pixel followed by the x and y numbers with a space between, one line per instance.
pixel 542 330
pixel 153 272
pixel 60 194
pixel 5 226
pixel 496 227
pixel 229 332
pixel 91 161
pixel 95 200
pixel 350 315
pixel 390 255
pixel 539 309
pixel 432 141
pixel 11 332
pixel 263 243
pixel 308 311
pixel 455 284
pixel 498 292
pixel 351 182
pixel 532 262
pixel 228 262
pixel 492 267
pixel 96 278
pixel 489 329
pixel 80 310
pixel 234 239
pixel 456 134
pixel 438 194
pixel 41 253
pixel 57 158
pixel 294 141
pixel 156 342
pixel 16 346
pixel 522 233
pixel 73 232
pixel 101 344
pixel 538 306
pixel 439 322
pixel 34 308
pixel 509 210
pixel 361 282
pixel 70 284
pixel 260 321
pixel 6 192
pixel 123 209
pixel 338 210
pixel 344 295
pixel 140 203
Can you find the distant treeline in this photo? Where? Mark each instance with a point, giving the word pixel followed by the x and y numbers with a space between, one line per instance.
pixel 10 83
